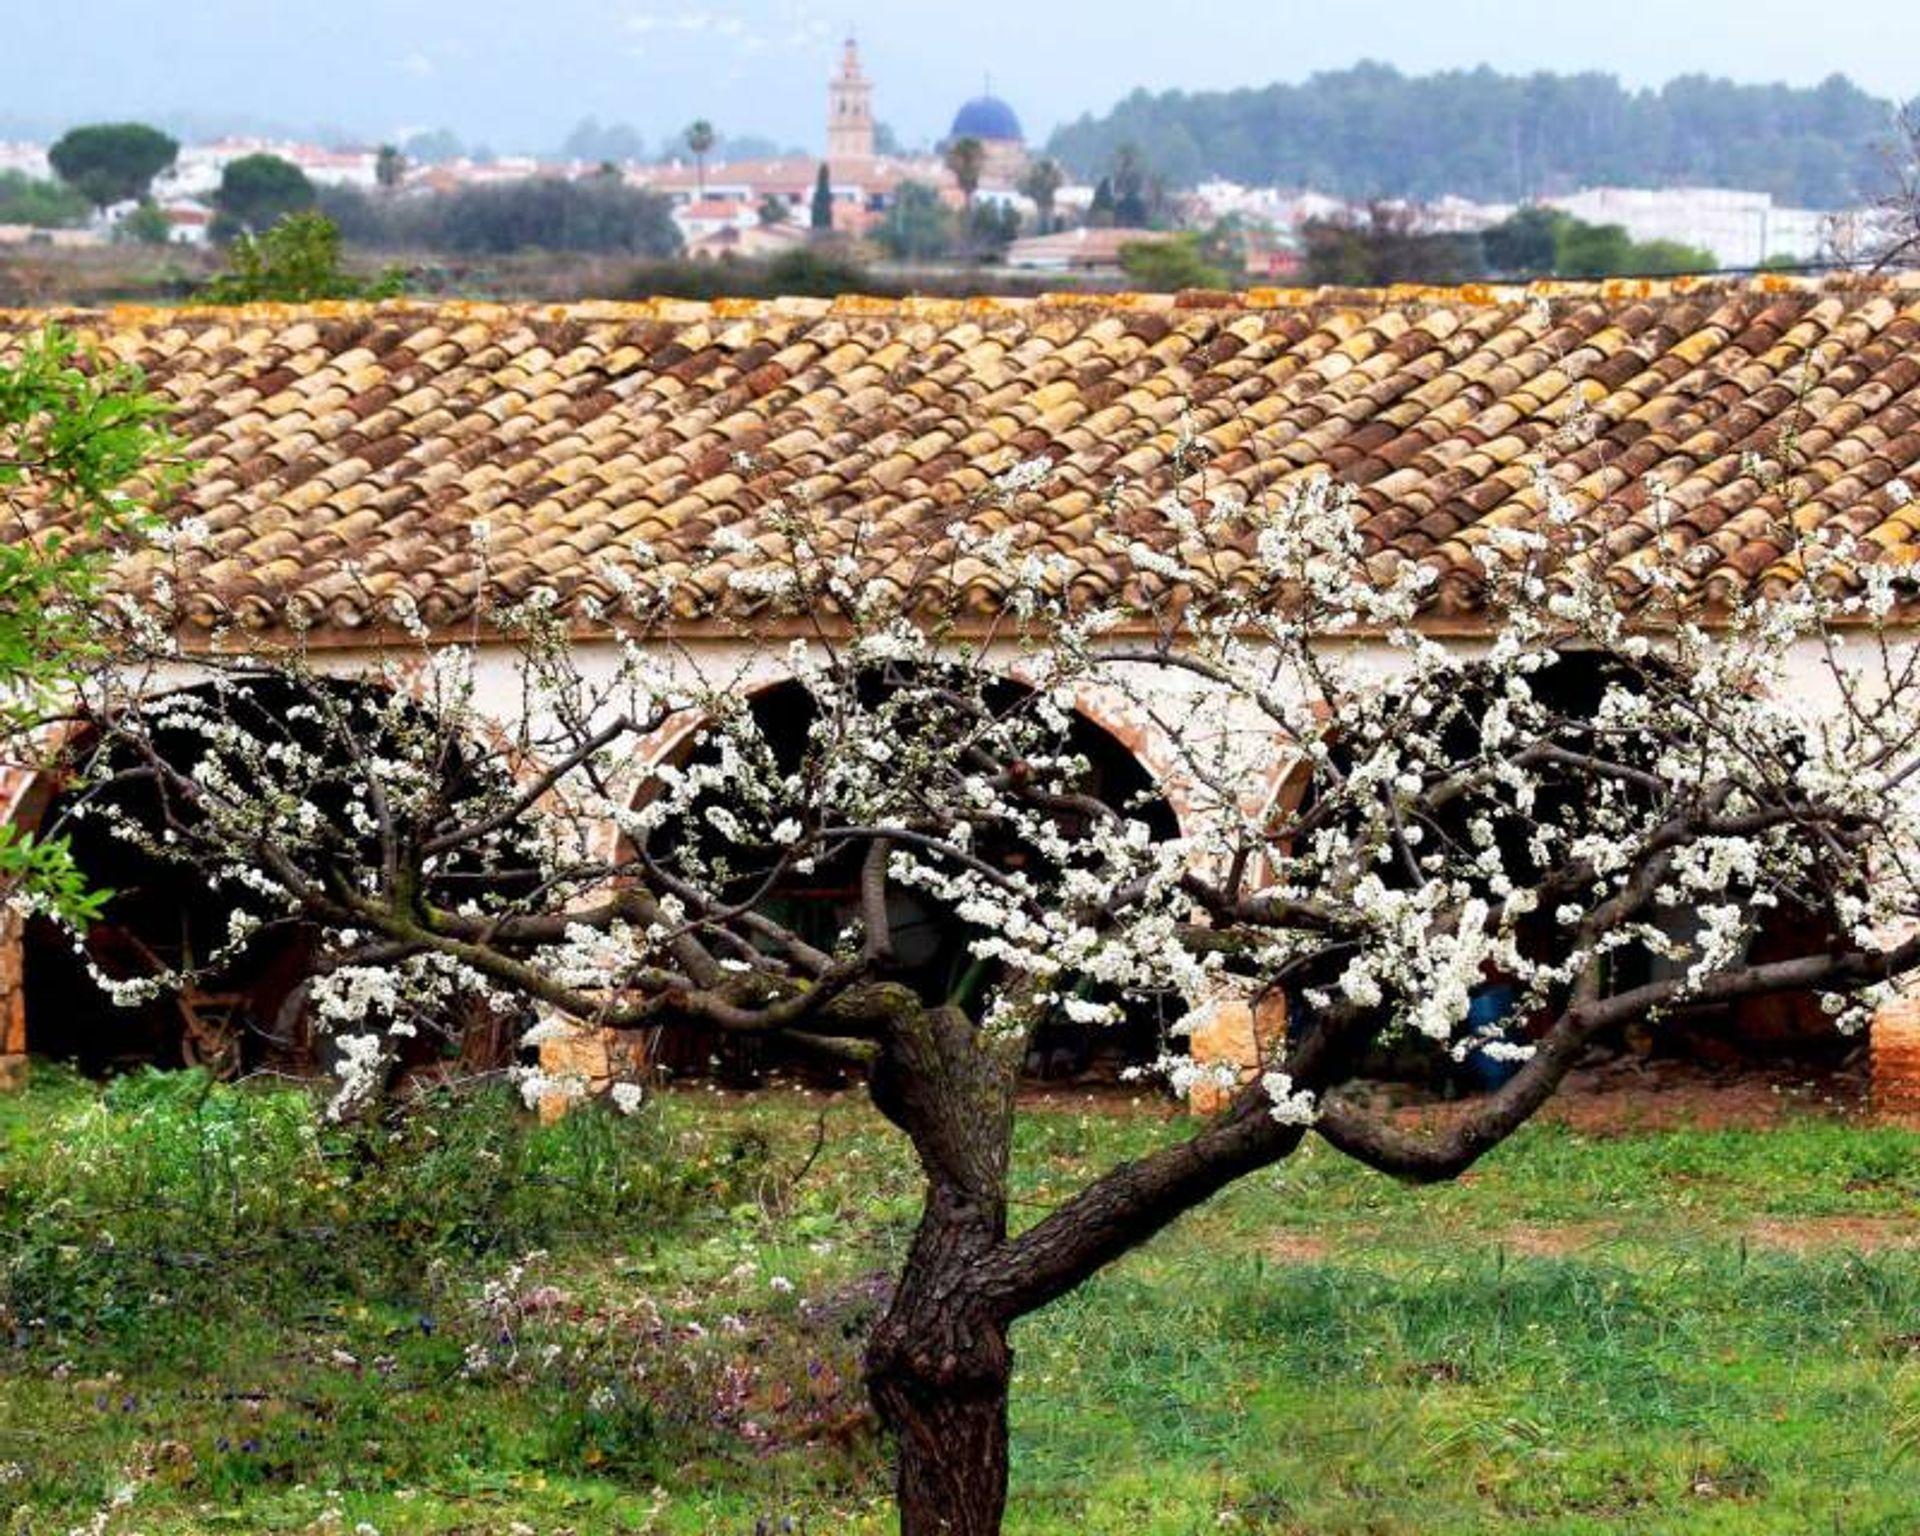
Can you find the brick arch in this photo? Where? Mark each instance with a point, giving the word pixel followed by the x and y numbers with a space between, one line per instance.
pixel 25 794
pixel 672 738
pixel 1107 709
pixel 489 731
pixel 1106 730
pixel 1278 788
pixel 1124 720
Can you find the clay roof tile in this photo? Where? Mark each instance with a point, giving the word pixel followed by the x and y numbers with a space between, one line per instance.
pixel 375 434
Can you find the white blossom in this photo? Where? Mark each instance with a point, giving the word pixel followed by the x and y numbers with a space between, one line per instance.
pixel 1290 1105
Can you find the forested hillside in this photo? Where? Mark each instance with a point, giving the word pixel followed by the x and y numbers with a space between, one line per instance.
pixel 1371 131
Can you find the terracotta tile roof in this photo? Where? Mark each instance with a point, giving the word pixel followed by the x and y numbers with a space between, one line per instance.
pixel 345 450
pixel 1077 248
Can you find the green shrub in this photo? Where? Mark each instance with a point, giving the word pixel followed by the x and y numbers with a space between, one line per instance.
pixel 294 262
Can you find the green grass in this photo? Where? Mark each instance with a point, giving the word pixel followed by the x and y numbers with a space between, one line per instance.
pixel 457 1322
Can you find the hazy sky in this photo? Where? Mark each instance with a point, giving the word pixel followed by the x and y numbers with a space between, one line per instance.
pixel 519 73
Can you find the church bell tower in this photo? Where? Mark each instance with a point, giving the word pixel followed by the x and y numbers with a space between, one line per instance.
pixel 850 110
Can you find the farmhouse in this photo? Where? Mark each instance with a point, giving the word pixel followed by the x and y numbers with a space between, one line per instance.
pixel 360 468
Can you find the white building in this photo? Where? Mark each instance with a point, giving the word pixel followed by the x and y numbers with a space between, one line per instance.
pixel 710 216
pixel 189 221
pixel 1460 216
pixel 1741 229
pixel 27 159
pixel 603 440
pixel 197 171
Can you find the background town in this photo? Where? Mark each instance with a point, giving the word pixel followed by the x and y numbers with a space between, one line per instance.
pixel 1363 175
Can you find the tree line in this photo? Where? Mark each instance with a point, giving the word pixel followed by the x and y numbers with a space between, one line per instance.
pixel 597 214
pixel 44 204
pixel 1384 246
pixel 1371 132
pixel 104 164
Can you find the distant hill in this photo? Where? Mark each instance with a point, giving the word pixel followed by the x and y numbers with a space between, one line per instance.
pixel 1371 131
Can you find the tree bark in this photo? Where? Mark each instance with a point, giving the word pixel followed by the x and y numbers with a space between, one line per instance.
pixel 938 1368
pixel 951 1448
pixel 938 1364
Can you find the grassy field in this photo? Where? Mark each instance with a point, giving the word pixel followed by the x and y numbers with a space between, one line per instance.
pixel 228 1319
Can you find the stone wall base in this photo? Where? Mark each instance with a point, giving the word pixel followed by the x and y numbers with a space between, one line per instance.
pixel 1895 1050
pixel 586 1064
pixel 1231 1033
pixel 13 1073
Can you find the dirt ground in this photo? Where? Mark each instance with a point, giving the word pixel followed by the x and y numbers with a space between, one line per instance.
pixel 1628 1093
pixel 1537 1240
pixel 1619 1095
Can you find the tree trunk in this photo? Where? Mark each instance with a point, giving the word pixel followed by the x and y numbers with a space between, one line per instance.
pixel 938 1366
pixel 937 1369
pixel 949 1422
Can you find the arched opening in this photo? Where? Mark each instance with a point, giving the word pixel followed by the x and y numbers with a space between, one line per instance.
pixel 1571 691
pixel 932 946
pixel 242 1001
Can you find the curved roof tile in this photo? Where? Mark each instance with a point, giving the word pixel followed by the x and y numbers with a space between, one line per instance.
pixel 342 452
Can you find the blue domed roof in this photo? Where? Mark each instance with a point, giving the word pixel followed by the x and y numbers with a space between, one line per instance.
pixel 986 117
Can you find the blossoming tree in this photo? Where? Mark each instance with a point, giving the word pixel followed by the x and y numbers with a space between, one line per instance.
pixel 1592 813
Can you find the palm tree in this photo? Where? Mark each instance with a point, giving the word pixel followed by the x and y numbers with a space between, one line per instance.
pixel 967 158
pixel 1042 184
pixel 700 139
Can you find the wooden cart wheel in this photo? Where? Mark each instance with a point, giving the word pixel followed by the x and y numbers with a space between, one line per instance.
pixel 211 1036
